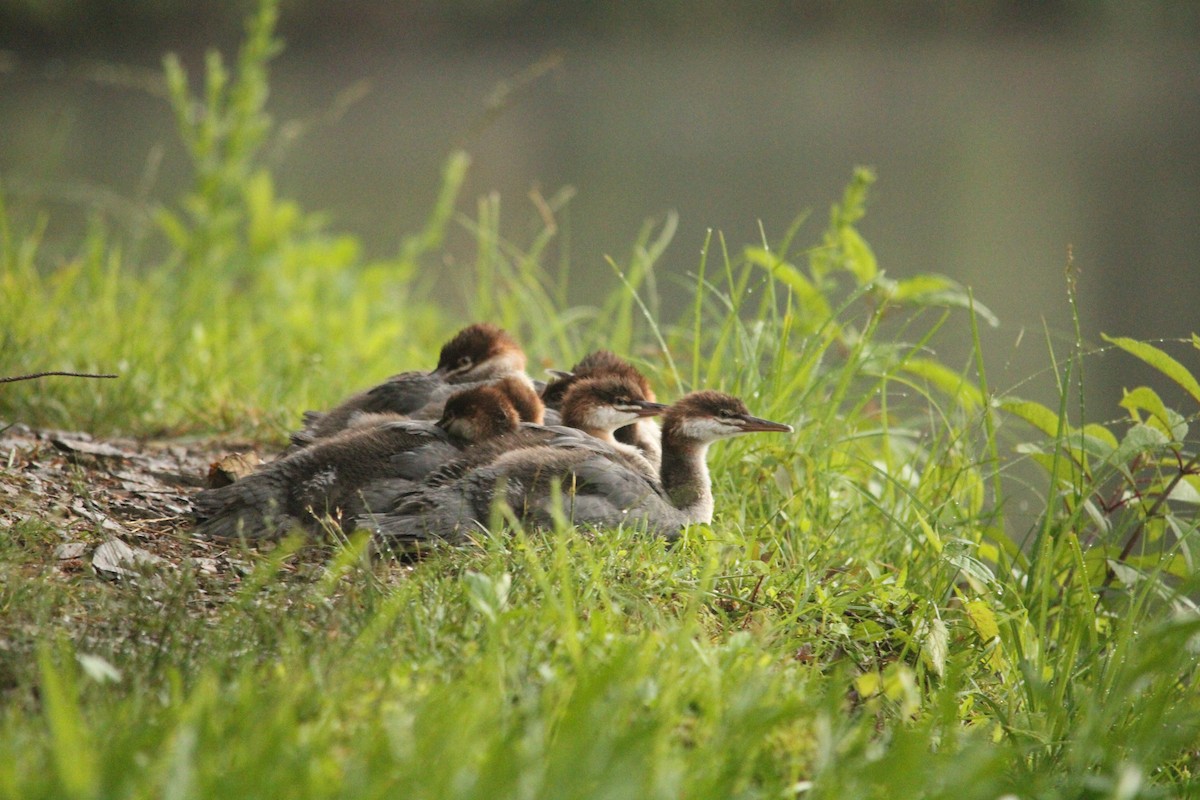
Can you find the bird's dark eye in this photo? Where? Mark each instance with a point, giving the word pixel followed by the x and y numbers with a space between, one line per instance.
pixel 724 413
pixel 465 361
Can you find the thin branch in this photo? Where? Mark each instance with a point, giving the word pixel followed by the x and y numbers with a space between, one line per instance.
pixel 1186 469
pixel 33 375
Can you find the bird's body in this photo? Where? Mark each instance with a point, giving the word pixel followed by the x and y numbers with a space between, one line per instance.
pixel 592 410
pixel 477 355
pixel 594 485
pixel 328 478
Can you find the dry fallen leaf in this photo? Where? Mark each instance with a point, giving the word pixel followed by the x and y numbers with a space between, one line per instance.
pixel 69 550
pixel 88 448
pixel 206 565
pixel 115 559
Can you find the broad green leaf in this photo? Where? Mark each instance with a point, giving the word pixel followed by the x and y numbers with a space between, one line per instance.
pixel 1174 564
pixel 1137 440
pixel 815 306
pixel 1165 419
pixel 982 619
pixel 1160 361
pixel 938 290
pixel 935 644
pixel 1127 575
pixel 997 541
pixel 868 684
pixel 1035 414
pixel 868 630
pixel 1098 440
pixel 1154 530
pixel 1143 398
pixel 1047 461
pixel 1187 490
pixel 1095 560
pixel 1178 426
pixel 947 380
pixel 972 568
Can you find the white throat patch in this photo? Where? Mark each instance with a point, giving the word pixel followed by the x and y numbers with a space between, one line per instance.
pixel 609 419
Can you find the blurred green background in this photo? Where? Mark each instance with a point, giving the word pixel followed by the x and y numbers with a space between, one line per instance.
pixel 1002 133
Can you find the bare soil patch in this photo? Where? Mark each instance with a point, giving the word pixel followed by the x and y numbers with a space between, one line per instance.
pixel 109 504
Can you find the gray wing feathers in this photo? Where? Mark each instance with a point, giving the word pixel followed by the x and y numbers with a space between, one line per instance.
pixel 253 507
pixel 594 490
pixel 310 483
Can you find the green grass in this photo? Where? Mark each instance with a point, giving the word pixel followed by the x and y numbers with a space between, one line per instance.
pixel 862 619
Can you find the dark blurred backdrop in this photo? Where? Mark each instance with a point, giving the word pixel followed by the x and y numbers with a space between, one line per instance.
pixel 1002 133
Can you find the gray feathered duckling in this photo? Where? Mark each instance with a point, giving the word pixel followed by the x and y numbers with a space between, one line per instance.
pixel 325 480
pixel 643 433
pixel 478 354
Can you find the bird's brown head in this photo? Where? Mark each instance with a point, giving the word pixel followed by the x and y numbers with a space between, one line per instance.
pixel 706 416
pixel 479 413
pixel 478 352
pixel 593 365
pixel 605 403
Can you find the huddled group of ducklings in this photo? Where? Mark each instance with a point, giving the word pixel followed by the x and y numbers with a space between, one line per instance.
pixel 424 457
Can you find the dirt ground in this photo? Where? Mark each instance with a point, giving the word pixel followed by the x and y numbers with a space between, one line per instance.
pixel 112 505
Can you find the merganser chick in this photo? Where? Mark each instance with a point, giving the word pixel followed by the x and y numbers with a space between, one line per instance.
pixel 524 398
pixel 607 405
pixel 596 363
pixel 410 467
pixel 520 393
pixel 595 488
pixel 592 411
pixel 478 354
pixel 326 477
pixel 643 433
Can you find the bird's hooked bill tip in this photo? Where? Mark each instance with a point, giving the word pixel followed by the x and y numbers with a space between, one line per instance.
pixel 648 408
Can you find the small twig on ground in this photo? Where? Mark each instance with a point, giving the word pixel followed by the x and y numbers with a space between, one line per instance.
pixel 33 375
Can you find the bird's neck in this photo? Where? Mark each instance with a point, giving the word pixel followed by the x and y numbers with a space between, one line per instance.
pixel 685 478
pixel 603 434
pixel 646 437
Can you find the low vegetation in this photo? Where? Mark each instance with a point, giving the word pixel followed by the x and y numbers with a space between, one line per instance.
pixel 864 618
